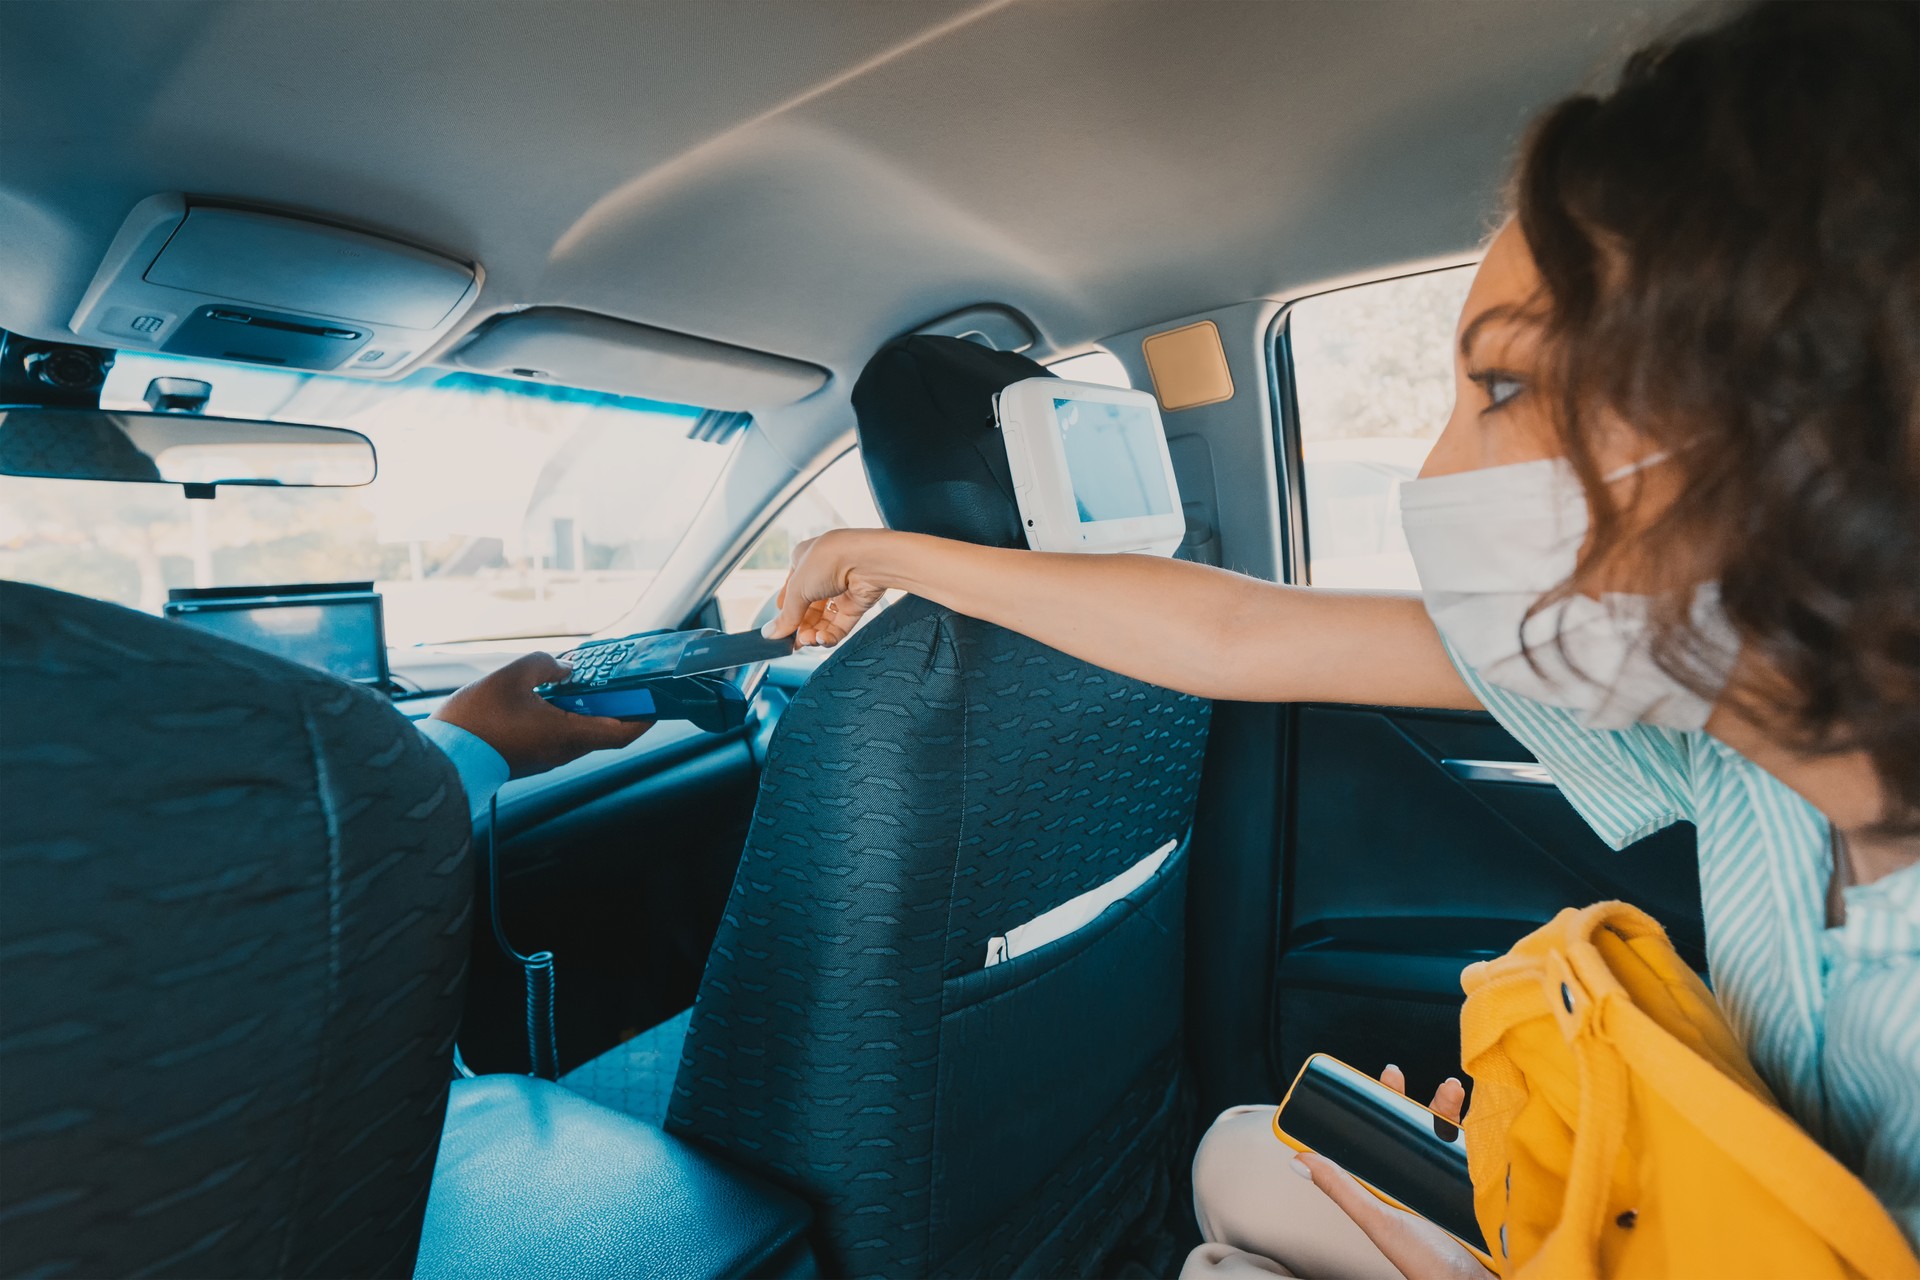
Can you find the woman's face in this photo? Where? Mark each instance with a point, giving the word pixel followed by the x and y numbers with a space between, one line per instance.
pixel 1498 414
pixel 1501 413
pixel 1495 418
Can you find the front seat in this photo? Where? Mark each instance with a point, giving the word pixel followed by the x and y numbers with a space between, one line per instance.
pixel 937 782
pixel 235 902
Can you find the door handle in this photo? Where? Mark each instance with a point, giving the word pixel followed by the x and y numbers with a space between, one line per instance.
pixel 1524 772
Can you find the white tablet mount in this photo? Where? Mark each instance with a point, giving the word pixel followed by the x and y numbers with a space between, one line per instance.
pixel 1091 471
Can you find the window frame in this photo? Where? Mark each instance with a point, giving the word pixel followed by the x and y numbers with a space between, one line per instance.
pixel 1289 450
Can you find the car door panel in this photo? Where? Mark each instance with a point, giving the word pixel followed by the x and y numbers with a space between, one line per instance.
pixel 1403 868
pixel 1412 842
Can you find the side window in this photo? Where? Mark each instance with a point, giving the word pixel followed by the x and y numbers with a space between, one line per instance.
pixel 1098 365
pixel 837 498
pixel 1373 377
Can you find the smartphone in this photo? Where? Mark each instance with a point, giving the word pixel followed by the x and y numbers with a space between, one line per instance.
pixel 1402 1152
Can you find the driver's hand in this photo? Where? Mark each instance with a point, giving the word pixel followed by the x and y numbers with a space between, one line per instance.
pixel 530 733
pixel 826 592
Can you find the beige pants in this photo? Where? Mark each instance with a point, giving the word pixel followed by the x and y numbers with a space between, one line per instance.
pixel 1261 1219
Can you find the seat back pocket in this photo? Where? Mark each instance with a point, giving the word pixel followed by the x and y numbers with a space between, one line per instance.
pixel 1037 1053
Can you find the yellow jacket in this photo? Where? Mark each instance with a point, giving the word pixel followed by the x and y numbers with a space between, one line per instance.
pixel 1617 1128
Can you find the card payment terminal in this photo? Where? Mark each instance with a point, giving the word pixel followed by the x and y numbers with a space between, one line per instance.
pixel 705 677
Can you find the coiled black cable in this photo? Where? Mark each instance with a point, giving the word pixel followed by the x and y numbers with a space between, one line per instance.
pixel 543 1041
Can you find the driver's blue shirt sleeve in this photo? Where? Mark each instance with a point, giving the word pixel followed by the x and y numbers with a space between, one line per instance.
pixel 482 770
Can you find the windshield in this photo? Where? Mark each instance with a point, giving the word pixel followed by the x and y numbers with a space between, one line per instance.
pixel 502 510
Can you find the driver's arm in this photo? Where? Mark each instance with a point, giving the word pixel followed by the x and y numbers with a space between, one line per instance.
pixel 498 728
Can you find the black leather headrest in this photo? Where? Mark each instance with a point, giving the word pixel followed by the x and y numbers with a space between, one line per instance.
pixel 923 408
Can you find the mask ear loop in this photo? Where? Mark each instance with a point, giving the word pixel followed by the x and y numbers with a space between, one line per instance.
pixel 1632 468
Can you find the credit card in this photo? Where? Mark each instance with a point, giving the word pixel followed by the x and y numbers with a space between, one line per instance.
pixel 717 653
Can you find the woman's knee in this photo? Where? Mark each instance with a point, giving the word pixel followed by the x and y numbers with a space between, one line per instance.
pixel 1224 1262
pixel 1237 1146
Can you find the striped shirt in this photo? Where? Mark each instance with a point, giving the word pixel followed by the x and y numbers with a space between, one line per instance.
pixel 1830 1017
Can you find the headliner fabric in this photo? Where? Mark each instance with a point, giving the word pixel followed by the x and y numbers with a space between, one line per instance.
pixel 1098 165
pixel 235 926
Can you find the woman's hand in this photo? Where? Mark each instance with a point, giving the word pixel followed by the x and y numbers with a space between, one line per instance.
pixel 827 591
pixel 1448 1099
pixel 1419 1249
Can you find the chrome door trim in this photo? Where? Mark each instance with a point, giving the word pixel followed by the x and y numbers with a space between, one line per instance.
pixel 1524 772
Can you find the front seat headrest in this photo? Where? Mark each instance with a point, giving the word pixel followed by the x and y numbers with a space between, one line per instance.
pixel 923 409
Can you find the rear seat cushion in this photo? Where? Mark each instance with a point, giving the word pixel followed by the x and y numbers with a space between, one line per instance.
pixel 534 1181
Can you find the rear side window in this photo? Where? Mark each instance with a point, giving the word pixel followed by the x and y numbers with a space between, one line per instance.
pixel 1373 379
pixel 837 498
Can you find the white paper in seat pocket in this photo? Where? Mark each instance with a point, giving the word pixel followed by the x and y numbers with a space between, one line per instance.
pixel 1075 913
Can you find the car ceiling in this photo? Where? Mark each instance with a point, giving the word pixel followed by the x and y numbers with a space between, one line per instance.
pixel 807 177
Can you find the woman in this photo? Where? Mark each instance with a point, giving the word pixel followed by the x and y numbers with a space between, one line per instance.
pixel 1670 538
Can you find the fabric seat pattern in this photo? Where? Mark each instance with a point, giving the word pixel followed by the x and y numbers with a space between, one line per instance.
pixel 234 924
pixel 936 782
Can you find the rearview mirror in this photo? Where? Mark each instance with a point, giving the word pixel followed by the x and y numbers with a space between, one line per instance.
pixel 173 448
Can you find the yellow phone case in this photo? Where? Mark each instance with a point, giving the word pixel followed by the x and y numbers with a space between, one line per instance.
pixel 1371 1190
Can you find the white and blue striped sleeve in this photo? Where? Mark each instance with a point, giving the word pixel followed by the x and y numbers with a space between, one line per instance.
pixel 1626 783
pixel 482 770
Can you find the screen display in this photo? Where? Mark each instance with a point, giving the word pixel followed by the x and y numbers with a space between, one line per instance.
pixel 1113 459
pixel 337 636
pixel 1385 1139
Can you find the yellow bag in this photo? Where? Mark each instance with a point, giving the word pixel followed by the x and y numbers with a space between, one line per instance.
pixel 1617 1128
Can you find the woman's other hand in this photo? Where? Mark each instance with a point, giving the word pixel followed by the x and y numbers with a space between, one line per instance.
pixel 1447 1099
pixel 1418 1248
pixel 826 592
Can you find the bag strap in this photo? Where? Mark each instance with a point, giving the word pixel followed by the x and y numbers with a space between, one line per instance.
pixel 1813 1185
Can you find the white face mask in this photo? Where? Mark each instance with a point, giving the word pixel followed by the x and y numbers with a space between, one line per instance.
pixel 1489 544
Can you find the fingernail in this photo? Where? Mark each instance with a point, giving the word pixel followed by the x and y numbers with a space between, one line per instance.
pixel 1299 1166
pixel 1391 1066
pixel 1454 1081
pixel 767 630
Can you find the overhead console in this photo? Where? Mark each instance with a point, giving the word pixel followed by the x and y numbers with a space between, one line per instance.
pixel 227 282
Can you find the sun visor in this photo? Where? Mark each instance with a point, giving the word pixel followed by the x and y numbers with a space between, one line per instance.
pixel 269 287
pixel 599 353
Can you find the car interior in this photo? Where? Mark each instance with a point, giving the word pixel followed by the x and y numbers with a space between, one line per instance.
pixel 629 299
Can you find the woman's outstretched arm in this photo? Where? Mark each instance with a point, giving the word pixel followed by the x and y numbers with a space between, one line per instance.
pixel 1182 626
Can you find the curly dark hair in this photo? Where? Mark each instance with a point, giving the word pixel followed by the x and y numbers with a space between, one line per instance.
pixel 1729 244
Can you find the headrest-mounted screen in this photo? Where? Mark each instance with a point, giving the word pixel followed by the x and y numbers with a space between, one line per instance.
pixel 1091 471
